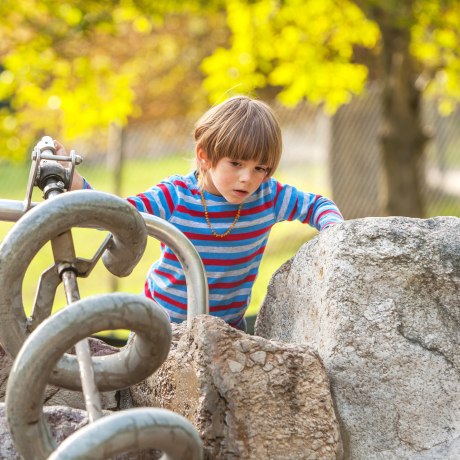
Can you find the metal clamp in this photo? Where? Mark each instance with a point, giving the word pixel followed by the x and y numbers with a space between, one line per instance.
pixel 45 165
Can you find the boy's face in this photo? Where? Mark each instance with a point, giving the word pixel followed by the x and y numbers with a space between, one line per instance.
pixel 235 180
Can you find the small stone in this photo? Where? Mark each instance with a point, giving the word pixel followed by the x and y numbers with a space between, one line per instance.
pixel 259 357
pixel 235 366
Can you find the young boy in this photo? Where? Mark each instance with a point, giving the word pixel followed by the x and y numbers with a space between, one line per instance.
pixel 226 207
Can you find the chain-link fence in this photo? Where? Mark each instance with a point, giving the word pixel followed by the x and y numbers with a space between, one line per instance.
pixel 339 156
pixel 356 166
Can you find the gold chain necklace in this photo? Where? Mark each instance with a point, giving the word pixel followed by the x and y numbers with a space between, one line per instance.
pixel 219 235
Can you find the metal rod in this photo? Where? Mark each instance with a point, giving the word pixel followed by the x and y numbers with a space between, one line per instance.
pixel 195 273
pixel 12 210
pixel 64 255
pixel 50 156
pixel 83 352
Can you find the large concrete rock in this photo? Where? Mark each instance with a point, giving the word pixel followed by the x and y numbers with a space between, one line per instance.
pixel 379 300
pixel 248 397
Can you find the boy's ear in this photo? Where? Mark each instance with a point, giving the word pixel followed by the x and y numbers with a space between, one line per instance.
pixel 201 157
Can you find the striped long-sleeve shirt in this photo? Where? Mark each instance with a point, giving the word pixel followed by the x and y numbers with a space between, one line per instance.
pixel 231 262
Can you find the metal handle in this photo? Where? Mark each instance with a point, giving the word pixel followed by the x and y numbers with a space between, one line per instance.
pixel 40 342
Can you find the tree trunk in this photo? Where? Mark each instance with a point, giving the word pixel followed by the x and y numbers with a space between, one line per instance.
pixel 402 136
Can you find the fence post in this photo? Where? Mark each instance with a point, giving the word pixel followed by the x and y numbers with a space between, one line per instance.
pixel 115 158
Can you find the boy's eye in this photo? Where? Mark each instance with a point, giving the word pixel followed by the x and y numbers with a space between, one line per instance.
pixel 262 169
pixel 235 163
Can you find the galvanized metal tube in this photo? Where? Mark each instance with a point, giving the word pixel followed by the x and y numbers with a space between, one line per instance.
pixel 131 430
pixel 195 273
pixel 12 210
pixel 45 222
pixel 37 359
pixel 90 391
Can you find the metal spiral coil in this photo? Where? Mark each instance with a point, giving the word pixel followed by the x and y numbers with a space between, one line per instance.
pixel 39 343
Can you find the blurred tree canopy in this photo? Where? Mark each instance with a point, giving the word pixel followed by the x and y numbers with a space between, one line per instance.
pixel 302 48
pixel 327 51
pixel 324 51
pixel 72 68
pixel 75 67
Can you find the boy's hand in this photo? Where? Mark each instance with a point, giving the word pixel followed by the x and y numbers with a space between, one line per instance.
pixel 60 149
pixel 77 181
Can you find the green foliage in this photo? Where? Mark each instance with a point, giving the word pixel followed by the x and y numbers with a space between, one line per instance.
pixel 307 49
pixel 303 47
pixel 435 41
pixel 55 71
pixel 72 68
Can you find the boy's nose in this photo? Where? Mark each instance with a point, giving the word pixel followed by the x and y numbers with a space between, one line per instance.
pixel 245 175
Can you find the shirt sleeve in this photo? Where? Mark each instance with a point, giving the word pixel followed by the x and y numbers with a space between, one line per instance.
pixel 309 208
pixel 159 200
pixel 86 185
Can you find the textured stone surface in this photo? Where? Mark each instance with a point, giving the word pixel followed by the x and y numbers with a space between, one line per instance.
pixel 63 421
pixel 379 300
pixel 248 397
pixel 55 396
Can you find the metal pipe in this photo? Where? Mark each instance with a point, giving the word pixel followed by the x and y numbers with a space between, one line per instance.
pixel 12 210
pixel 37 359
pixel 45 222
pixel 144 428
pixel 195 274
pixel 83 352
pixel 39 356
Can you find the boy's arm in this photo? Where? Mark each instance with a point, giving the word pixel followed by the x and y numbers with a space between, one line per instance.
pixel 316 210
pixel 325 213
pixel 160 200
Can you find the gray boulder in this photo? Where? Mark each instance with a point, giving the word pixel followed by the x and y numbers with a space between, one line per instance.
pixel 379 300
pixel 248 397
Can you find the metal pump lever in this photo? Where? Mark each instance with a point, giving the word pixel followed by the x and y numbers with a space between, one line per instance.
pixel 47 173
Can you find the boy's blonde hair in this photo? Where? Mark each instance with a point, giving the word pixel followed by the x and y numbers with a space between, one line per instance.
pixel 240 128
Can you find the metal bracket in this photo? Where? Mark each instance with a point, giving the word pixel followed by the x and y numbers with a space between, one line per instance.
pixel 45 150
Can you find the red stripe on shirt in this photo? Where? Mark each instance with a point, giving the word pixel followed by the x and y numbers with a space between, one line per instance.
pixel 310 211
pixel 167 299
pixel 230 237
pixel 180 183
pixel 279 187
pixel 228 306
pixel 146 202
pixel 241 260
pixel 234 323
pixel 147 291
pixel 168 197
pixel 170 256
pixel 291 216
pixel 224 214
pixel 170 277
pixel 327 211
pixel 131 201
pixel 221 285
